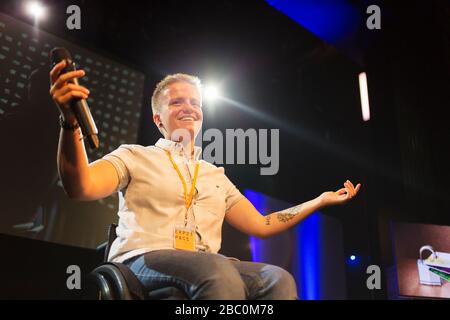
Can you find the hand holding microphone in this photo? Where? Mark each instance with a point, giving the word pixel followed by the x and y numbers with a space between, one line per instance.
pixel 69 96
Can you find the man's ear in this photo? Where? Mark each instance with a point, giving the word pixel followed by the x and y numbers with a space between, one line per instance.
pixel 157 119
pixel 159 125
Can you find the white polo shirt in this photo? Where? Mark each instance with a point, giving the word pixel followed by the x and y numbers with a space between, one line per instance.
pixel 152 199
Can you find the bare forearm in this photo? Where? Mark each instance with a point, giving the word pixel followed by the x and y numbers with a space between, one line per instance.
pixel 81 180
pixel 246 218
pixel 280 221
pixel 72 162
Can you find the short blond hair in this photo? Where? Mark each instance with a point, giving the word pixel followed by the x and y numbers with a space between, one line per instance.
pixel 168 80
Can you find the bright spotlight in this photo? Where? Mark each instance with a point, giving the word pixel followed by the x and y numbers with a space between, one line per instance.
pixel 36 10
pixel 211 93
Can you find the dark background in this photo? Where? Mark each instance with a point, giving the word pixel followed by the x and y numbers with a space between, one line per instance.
pixel 308 89
pixel 34 203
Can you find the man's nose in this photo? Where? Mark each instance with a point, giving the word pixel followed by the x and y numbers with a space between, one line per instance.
pixel 188 107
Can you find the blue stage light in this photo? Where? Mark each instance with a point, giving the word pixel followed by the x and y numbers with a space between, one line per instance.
pixel 306 262
pixel 353 260
pixel 330 20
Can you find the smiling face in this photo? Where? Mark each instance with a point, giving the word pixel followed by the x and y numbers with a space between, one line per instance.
pixel 180 109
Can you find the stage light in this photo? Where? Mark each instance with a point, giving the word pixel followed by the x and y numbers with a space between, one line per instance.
pixel 211 93
pixel 364 95
pixel 36 10
pixel 353 260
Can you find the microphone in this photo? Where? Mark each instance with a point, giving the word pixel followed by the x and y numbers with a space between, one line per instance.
pixel 79 106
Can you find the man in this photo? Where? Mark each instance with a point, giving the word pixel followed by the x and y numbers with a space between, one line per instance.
pixel 173 205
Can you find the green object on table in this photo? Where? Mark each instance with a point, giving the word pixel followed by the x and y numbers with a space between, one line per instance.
pixel 441 274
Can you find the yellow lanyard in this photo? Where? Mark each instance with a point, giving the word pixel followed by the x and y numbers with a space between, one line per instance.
pixel 187 198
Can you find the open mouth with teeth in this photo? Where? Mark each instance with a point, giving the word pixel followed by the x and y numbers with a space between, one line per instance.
pixel 187 118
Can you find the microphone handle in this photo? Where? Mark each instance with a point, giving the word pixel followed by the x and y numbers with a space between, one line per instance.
pixel 83 114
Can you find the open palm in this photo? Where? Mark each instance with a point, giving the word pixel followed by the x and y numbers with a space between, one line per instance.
pixel 340 196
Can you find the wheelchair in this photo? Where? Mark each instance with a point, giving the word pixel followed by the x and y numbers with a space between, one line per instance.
pixel 115 281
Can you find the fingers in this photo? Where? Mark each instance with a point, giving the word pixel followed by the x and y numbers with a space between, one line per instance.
pixel 352 191
pixel 72 87
pixel 54 73
pixel 62 79
pixel 350 186
pixel 63 89
pixel 60 96
pixel 64 99
pixel 347 190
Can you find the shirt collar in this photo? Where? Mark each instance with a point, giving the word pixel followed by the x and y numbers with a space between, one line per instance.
pixel 176 148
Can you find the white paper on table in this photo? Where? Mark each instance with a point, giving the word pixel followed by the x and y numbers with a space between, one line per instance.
pixel 441 259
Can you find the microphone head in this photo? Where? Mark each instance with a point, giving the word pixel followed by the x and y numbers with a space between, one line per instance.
pixel 58 54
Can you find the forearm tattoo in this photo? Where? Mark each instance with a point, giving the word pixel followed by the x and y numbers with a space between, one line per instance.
pixel 288 214
pixel 268 220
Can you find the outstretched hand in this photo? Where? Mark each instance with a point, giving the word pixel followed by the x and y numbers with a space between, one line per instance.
pixel 340 196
